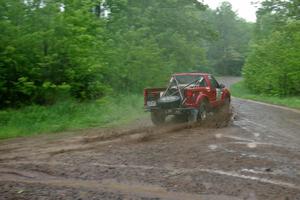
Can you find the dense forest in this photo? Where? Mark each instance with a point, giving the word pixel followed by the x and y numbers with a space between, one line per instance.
pixel 273 65
pixel 87 49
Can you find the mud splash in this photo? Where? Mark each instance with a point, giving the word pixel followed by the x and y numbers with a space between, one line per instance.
pixel 219 119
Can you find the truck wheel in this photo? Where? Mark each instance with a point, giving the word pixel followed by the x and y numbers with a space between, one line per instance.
pixel 158 118
pixel 227 101
pixel 226 106
pixel 202 114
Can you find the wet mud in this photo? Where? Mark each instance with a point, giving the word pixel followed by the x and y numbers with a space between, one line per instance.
pixel 238 155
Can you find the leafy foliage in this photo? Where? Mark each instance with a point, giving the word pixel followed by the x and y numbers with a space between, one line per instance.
pixel 227 54
pixel 240 90
pixel 151 39
pixel 273 66
pixel 46 50
pixel 50 50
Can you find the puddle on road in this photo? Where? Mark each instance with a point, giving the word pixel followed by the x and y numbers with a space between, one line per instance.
pixel 212 147
pixel 292 173
pixel 243 122
pixel 252 145
pixel 264 180
pixel 218 172
pixel 255 171
pixel 256 134
pixel 238 138
pixel 252 156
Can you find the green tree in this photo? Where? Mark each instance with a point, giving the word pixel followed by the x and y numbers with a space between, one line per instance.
pixel 273 67
pixel 46 46
pixel 68 46
pixel 227 53
pixel 151 39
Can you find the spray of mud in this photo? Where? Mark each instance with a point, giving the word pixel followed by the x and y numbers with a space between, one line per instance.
pixel 218 119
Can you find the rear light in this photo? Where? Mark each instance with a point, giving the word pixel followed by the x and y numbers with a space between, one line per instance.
pixel 145 97
pixel 150 95
pixel 189 93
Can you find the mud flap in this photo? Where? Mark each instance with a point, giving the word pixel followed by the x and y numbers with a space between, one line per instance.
pixel 193 116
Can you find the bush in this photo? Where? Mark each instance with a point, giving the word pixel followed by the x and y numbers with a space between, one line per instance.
pixel 70 115
pixel 273 67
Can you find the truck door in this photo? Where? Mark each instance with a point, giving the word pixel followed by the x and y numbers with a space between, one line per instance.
pixel 216 91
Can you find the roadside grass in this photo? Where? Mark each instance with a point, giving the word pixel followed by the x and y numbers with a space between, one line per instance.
pixel 240 90
pixel 70 115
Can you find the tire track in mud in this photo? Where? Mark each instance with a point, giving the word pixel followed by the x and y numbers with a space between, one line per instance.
pixel 38 175
pixel 177 161
pixel 130 189
pixel 142 191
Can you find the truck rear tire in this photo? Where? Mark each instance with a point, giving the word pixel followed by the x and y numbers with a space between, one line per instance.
pixel 158 117
pixel 226 106
pixel 202 114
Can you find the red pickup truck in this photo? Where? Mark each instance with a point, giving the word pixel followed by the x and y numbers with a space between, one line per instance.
pixel 189 94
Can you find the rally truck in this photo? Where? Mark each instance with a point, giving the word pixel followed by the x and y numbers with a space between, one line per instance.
pixel 191 95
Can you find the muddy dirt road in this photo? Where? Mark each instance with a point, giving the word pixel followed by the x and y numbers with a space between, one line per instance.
pixel 256 157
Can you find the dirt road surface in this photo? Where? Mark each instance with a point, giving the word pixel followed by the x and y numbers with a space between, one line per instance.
pixel 257 156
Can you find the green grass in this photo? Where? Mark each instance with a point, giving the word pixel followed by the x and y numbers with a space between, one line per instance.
pixel 70 115
pixel 239 90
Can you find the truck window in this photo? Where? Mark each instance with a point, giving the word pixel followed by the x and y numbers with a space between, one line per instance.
pixel 203 83
pixel 214 82
pixel 186 79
